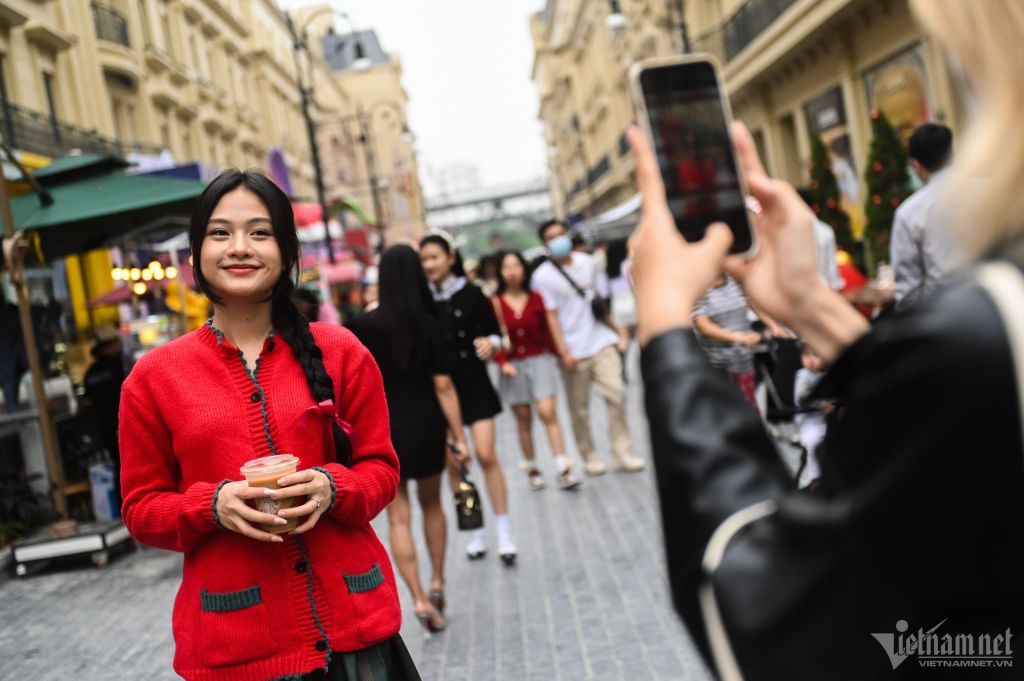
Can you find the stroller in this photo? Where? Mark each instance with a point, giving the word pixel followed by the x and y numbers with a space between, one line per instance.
pixel 776 362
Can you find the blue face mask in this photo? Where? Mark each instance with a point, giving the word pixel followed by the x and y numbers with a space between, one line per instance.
pixel 561 246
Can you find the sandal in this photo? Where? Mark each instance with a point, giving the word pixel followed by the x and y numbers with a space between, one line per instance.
pixel 437 600
pixel 536 479
pixel 432 620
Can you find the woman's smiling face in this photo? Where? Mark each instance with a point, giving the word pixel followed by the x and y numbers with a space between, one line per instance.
pixel 239 256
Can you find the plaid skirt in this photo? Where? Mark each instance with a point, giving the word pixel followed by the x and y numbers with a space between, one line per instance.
pixel 385 661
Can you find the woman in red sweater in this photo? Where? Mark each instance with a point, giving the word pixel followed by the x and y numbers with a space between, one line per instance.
pixel 529 373
pixel 257 380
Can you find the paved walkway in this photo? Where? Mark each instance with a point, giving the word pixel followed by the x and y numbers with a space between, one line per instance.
pixel 587 600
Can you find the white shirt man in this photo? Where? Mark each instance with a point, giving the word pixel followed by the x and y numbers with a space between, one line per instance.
pixel 825 244
pixel 587 346
pixel 584 336
pixel 922 249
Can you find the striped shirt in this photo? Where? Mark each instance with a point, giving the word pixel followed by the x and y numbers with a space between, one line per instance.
pixel 726 306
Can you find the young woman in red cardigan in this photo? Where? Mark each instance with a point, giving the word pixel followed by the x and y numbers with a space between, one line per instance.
pixel 529 371
pixel 316 603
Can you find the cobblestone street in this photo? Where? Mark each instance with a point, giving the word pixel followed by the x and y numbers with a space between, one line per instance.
pixel 587 600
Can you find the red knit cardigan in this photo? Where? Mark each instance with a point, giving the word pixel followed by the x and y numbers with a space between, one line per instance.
pixel 191 415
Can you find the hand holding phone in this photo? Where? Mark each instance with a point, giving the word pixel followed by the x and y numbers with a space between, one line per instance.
pixel 682 107
pixel 669 273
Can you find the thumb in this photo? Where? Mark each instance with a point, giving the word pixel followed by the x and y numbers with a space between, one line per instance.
pixel 717 240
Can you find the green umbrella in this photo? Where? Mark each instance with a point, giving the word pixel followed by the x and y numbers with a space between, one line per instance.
pixel 93 206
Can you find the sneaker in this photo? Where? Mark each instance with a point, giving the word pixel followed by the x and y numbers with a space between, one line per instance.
pixel 567 479
pixel 476 548
pixel 629 463
pixel 536 479
pixel 594 467
pixel 507 549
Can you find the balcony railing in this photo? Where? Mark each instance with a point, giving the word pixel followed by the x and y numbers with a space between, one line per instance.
pixel 40 134
pixel 111 25
pixel 753 17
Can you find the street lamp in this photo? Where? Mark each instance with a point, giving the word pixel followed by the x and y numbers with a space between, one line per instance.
pixel 364 119
pixel 300 43
pixel 616 20
pixel 684 32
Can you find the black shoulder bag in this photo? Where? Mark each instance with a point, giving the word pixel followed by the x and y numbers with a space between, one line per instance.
pixel 598 305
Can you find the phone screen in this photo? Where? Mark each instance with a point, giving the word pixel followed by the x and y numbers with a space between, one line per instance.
pixel 691 138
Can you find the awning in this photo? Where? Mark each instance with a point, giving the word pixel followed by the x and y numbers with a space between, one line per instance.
pixel 90 211
pixel 616 223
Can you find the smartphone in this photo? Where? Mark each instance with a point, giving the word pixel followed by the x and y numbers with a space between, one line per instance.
pixel 681 104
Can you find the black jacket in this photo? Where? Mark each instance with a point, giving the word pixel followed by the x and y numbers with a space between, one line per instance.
pixel 919 517
pixel 467 315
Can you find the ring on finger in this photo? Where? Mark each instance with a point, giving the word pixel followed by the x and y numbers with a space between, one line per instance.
pixel 317 503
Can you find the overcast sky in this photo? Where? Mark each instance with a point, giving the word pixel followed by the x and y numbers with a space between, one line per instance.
pixel 467 71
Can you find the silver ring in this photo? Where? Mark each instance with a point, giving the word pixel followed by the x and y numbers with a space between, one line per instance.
pixel 317 504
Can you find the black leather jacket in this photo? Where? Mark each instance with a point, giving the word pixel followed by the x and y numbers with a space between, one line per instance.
pixel 919 517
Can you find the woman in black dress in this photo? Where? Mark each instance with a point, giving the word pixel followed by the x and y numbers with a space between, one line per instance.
pixel 404 335
pixel 472 336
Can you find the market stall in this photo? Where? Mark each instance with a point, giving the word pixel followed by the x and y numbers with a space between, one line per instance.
pixel 76 204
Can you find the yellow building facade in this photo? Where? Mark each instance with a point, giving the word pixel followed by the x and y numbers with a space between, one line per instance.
pixel 213 82
pixel 581 63
pixel 792 68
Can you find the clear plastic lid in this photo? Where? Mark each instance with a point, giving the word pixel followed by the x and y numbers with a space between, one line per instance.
pixel 269 465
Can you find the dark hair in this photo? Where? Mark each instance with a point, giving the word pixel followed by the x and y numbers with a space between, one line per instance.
pixel 502 285
pixel 304 295
pixel 287 321
pixel 545 225
pixel 931 145
pixel 457 268
pixel 406 309
pixel 618 251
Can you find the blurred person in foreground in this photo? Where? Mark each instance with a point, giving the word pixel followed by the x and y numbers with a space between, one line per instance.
pixel 917 528
pixel 922 250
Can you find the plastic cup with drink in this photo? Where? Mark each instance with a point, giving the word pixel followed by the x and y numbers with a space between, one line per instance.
pixel 265 472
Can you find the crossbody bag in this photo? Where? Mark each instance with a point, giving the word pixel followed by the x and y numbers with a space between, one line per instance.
pixel 598 305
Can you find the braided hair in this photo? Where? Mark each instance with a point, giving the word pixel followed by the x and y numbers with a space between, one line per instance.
pixel 290 325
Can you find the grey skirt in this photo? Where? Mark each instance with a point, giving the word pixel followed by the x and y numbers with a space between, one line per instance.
pixel 536 378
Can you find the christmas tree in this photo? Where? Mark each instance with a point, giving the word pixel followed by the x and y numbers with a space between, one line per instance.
pixel 825 190
pixel 887 187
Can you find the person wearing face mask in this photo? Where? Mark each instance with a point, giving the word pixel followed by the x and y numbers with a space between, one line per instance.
pixel 588 347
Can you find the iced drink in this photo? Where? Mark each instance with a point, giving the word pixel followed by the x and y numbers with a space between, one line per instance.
pixel 265 472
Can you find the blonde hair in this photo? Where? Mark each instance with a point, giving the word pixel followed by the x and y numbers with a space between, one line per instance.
pixel 987 38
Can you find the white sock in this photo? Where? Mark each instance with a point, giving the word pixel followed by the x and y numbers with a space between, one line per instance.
pixel 561 463
pixel 501 524
pixel 477 536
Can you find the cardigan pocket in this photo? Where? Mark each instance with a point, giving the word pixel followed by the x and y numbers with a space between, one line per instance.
pixel 234 627
pixel 373 601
